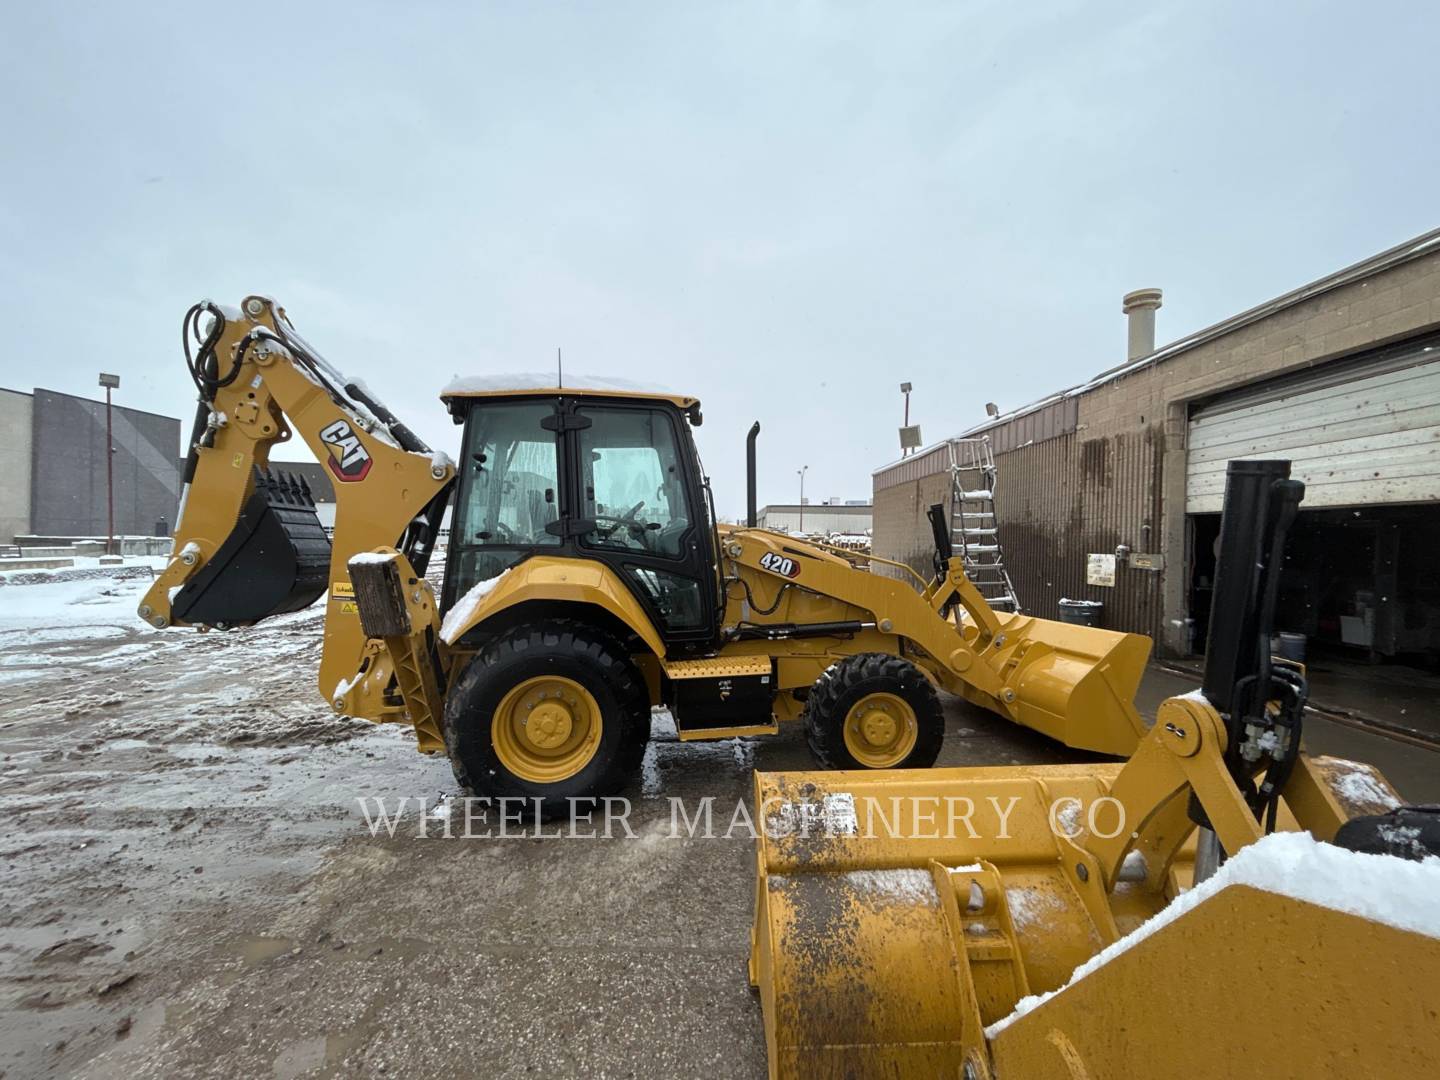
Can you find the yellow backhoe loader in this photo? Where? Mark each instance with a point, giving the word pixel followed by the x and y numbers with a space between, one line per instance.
pixel 1168 917
pixel 585 581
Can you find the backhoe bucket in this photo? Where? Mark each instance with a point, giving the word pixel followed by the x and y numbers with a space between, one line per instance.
pixel 1074 683
pixel 276 559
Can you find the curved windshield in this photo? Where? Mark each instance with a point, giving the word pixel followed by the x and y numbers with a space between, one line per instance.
pixel 508 490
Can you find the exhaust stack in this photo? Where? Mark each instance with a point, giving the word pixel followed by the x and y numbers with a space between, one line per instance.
pixel 1139 307
pixel 750 473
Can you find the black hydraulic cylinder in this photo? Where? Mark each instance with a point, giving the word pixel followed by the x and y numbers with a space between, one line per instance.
pixel 1233 650
pixel 750 473
pixel 786 631
pixel 407 439
pixel 939 528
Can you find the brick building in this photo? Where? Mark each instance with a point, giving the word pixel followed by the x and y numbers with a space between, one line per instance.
pixel 1342 376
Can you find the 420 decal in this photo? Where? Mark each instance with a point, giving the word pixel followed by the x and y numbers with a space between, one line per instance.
pixel 779 564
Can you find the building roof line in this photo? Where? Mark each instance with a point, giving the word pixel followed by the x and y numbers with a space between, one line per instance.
pixel 101 401
pixel 856 507
pixel 1385 260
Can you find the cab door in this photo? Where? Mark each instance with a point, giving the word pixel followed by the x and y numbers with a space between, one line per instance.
pixel 638 496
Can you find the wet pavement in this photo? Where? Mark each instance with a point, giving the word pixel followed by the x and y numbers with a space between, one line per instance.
pixel 190 887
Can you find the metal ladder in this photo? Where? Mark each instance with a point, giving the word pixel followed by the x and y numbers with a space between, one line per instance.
pixel 973 528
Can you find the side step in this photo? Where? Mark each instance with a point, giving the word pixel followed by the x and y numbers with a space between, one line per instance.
pixel 721 697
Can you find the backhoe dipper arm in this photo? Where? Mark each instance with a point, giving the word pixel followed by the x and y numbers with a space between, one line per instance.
pixel 247 543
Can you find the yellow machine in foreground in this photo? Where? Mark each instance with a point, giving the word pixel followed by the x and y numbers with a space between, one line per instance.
pixel 585 582
pixel 911 924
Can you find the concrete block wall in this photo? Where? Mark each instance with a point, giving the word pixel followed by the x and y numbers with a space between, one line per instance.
pixel 16 436
pixel 68 488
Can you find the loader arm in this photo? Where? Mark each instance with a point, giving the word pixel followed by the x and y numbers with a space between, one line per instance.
pixel 1074 683
pixel 248 544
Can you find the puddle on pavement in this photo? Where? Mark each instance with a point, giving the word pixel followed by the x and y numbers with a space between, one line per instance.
pixel 256 948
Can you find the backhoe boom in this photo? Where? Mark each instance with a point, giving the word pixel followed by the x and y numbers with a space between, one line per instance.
pixel 248 544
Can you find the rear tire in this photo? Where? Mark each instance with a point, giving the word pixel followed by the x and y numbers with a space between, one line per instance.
pixel 874 711
pixel 553 711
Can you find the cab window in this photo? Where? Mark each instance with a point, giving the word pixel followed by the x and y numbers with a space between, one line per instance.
pixel 632 482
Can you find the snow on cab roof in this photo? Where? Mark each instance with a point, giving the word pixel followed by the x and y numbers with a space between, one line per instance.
pixel 462 386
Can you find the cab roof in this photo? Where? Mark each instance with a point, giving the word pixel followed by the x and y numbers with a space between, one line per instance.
pixel 501 386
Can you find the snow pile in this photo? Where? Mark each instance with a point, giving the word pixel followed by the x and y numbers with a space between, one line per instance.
pixel 1379 888
pixel 91 602
pixel 457 619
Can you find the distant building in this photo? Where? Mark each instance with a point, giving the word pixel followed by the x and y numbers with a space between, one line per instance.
pixel 816 517
pixel 53 474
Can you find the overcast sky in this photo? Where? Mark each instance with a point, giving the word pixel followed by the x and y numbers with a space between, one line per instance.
pixel 783 209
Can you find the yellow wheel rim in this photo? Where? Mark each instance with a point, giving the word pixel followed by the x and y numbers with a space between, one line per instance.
pixel 546 729
pixel 880 731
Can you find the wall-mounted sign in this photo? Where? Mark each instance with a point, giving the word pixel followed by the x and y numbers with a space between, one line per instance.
pixel 1100 570
pixel 1147 562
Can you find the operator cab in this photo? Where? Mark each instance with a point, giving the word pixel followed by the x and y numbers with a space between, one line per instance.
pixel 595 474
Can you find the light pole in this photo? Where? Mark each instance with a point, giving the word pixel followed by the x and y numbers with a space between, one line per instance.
pixel 800 472
pixel 905 389
pixel 109 382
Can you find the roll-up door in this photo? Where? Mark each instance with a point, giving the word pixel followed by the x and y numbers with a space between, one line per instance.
pixel 1357 432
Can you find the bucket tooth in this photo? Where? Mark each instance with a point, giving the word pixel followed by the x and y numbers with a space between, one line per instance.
pixel 276 559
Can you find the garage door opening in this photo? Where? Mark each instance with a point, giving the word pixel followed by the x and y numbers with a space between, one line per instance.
pixel 1360 583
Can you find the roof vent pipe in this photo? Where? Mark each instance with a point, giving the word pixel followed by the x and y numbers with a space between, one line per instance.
pixel 1139 307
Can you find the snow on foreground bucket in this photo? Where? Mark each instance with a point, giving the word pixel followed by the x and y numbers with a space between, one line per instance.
pixel 1377 888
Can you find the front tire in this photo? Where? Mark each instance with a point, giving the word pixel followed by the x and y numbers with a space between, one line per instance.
pixel 553 711
pixel 874 711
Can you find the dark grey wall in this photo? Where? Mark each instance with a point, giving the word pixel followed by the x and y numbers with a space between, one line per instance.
pixel 68 468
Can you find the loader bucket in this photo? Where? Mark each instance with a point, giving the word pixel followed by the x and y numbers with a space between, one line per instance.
pixel 1076 684
pixel 899 916
pixel 862 913
pixel 276 559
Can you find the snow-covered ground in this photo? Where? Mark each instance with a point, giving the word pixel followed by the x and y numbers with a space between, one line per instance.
pixel 185 862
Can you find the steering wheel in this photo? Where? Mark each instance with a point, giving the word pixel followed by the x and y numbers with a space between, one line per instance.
pixel 628 520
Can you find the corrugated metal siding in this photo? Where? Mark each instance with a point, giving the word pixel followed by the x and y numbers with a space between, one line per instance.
pixel 927 462
pixel 1049 421
pixel 1062 499
pixel 1369 436
pixel 902 531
